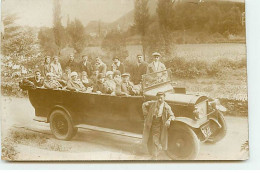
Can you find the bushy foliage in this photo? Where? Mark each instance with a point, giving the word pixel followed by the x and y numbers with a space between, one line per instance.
pixel 114 45
pixel 183 68
pixel 47 42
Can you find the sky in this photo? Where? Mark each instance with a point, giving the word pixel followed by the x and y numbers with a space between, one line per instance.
pixel 38 13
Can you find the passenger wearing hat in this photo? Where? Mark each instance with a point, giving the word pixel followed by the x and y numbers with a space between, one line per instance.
pixel 85 65
pixel 156 65
pixel 66 76
pixel 110 81
pixel 84 79
pixel 117 77
pixel 118 65
pixel 51 83
pixel 74 84
pixel 158 116
pixel 100 66
pixel 101 86
pixel 139 69
pixel 127 87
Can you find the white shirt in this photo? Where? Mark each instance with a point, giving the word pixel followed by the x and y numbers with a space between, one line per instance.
pixel 156 65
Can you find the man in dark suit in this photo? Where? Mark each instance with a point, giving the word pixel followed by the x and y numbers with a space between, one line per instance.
pixel 71 63
pixel 117 65
pixel 85 65
pixel 139 69
pixel 36 81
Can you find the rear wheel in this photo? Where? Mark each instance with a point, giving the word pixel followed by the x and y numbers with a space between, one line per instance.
pixel 221 132
pixel 183 143
pixel 61 125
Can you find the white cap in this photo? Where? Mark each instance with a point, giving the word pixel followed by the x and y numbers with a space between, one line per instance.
pixel 156 54
pixel 74 74
pixel 109 73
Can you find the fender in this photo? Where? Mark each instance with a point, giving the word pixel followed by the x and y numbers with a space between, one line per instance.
pixel 60 107
pixel 190 122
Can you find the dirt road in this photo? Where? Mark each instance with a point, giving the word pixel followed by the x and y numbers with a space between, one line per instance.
pixel 33 140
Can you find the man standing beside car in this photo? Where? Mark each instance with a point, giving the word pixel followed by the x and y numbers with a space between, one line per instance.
pixel 158 116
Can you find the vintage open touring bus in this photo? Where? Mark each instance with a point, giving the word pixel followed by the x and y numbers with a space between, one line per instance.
pixel 198 118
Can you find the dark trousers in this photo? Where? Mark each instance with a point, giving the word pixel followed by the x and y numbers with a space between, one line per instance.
pixel 156 135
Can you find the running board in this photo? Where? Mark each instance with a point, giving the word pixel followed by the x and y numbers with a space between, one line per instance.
pixel 40 119
pixel 112 131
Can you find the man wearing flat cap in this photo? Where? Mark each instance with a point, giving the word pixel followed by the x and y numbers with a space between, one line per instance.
pixel 51 83
pixel 158 116
pixel 127 87
pixel 101 86
pixel 156 65
pixel 117 65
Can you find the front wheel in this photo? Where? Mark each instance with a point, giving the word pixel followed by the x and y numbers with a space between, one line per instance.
pixel 183 143
pixel 61 125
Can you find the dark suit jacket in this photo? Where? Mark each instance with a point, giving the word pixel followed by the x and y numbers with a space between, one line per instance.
pixel 88 68
pixel 120 68
pixel 138 71
pixel 33 80
pixel 73 65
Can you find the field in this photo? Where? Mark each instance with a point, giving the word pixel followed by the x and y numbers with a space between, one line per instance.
pixel 208 52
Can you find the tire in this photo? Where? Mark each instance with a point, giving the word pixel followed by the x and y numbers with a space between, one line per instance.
pixel 61 125
pixel 183 143
pixel 220 133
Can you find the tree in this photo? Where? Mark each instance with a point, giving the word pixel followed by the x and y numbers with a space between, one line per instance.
pixel 114 44
pixel 165 12
pixel 141 16
pixel 58 29
pixel 47 41
pixel 19 44
pixel 77 37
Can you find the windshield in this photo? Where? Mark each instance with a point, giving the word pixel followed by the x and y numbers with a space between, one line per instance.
pixel 157 78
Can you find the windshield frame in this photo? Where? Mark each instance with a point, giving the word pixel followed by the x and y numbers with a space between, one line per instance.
pixel 169 80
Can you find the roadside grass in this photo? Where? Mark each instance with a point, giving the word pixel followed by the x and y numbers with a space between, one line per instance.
pixel 28 138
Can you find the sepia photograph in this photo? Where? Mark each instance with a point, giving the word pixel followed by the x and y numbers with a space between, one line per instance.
pixel 124 80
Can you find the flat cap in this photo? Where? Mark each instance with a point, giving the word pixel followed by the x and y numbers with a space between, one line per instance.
pixel 156 54
pixel 117 72
pixel 160 93
pixel 125 74
pixel 100 75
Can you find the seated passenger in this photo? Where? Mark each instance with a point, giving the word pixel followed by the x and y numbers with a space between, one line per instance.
pixel 51 83
pixel 56 67
pixel 93 78
pixel 110 81
pixel 74 84
pixel 101 86
pixel 65 76
pixel 84 79
pixel 126 88
pixel 36 80
pixel 117 77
